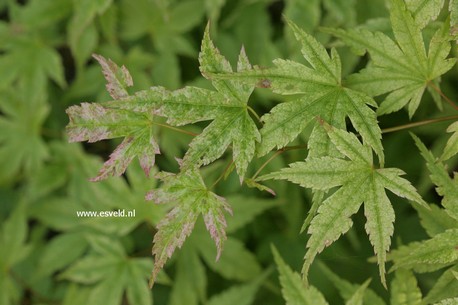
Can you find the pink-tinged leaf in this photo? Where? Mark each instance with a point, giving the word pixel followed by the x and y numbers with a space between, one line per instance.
pixel 94 122
pixel 172 232
pixel 215 221
pixel 143 146
pixel 118 79
pixel 81 117
pixel 190 196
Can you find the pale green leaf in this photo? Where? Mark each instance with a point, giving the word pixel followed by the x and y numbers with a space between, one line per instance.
pixel 446 186
pixel 293 289
pixel 380 219
pixel 118 79
pixel 321 95
pixel 56 254
pixel 453 301
pixel 358 297
pixel 227 108
pixel 404 289
pixel 22 147
pixel 137 291
pixel 429 255
pixel 360 183
pixel 451 148
pixel 93 122
pixel 190 282
pixel 453 8
pixel 192 198
pixel 13 235
pixel 333 219
pixel 84 13
pixel 401 67
pixel 423 11
pixel 110 290
pixel 435 220
pixel 445 287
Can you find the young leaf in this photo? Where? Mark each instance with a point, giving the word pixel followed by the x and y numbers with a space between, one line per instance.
pixel 360 182
pixel 446 186
pixel 293 289
pixel 451 148
pixel 118 79
pixel 94 122
pixel 227 108
pixel 191 197
pixel 402 67
pixel 322 94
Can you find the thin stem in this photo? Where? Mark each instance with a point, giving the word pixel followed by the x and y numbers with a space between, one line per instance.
pixel 222 174
pixel 435 88
pixel 277 153
pixel 420 123
pixel 254 113
pixel 176 129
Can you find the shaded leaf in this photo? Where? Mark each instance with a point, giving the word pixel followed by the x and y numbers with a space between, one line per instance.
pixel 293 289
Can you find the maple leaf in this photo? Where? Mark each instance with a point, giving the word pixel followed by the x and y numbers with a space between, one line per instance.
pixel 94 122
pixel 192 198
pixel 293 290
pixel 446 186
pixel 451 148
pixel 321 94
pixel 21 145
pixel 403 68
pixel 360 182
pixel 227 108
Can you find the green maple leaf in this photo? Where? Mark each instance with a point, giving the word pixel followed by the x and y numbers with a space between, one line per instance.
pixel 94 122
pixel 401 67
pixel 404 289
pixel 451 148
pixel 227 108
pixel 192 198
pixel 21 145
pixel 446 186
pixel 113 274
pixel 429 255
pixel 321 94
pixel 293 289
pixel 359 182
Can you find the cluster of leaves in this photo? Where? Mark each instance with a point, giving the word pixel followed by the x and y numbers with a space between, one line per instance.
pixel 201 150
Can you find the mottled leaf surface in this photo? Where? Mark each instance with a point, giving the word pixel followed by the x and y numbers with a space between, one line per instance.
pixel 445 185
pixel 402 67
pixel 321 94
pixel 191 198
pixel 360 182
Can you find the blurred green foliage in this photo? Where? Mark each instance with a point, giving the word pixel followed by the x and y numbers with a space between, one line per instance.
pixel 48 255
